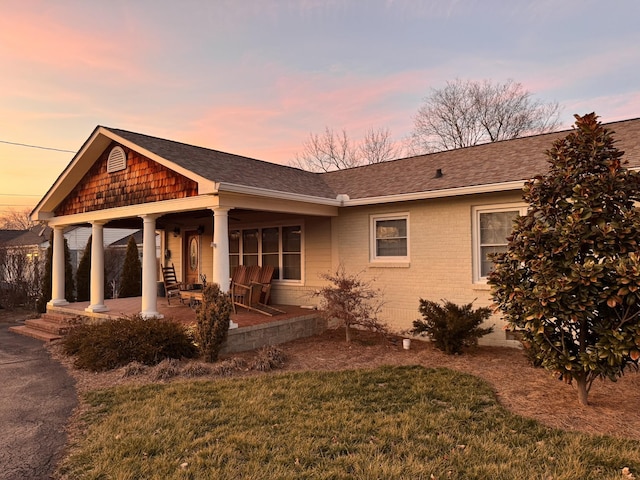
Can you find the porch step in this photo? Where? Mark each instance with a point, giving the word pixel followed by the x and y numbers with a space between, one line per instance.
pixel 49 327
pixel 34 333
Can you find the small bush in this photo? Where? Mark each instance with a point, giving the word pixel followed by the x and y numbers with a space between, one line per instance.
pixel 268 358
pixel 118 342
pixel 213 321
pixel 166 369
pixel 352 301
pixel 228 367
pixel 133 369
pixel 196 369
pixel 451 327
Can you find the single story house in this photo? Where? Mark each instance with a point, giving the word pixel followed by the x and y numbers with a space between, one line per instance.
pixel 421 227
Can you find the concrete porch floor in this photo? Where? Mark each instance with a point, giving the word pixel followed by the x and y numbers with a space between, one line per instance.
pixel 178 311
pixel 254 330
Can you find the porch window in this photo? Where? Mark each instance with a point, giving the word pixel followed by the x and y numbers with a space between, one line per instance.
pixel 280 247
pixel 491 227
pixel 390 237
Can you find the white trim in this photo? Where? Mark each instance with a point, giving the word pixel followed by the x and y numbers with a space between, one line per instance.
pixel 447 192
pixel 373 254
pixel 279 225
pixel 199 202
pixel 476 210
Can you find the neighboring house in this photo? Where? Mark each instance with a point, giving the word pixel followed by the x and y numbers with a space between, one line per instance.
pixel 34 242
pixel 420 226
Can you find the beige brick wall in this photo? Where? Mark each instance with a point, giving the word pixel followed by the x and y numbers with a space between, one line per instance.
pixel 440 265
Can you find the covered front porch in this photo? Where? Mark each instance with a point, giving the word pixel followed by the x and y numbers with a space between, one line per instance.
pixel 254 329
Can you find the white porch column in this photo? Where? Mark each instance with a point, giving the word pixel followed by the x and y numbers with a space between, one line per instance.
pixel 97 269
pixel 149 268
pixel 221 247
pixel 221 251
pixel 57 268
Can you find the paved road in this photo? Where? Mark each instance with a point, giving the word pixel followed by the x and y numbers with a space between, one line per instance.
pixel 36 398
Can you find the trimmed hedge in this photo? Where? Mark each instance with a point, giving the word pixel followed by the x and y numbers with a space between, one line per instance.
pixel 118 342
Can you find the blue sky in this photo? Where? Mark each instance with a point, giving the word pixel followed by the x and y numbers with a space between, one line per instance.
pixel 257 77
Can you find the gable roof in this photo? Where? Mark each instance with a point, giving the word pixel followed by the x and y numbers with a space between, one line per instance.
pixel 34 236
pixel 8 235
pixel 232 169
pixel 503 162
pixel 490 167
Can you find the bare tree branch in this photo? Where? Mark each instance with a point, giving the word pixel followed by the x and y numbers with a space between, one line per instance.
pixel 332 151
pixel 466 113
pixel 377 146
pixel 16 220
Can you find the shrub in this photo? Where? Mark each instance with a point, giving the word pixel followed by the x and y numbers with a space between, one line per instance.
pixel 196 369
pixel 451 327
pixel 118 342
pixel 133 369
pixel 352 301
pixel 166 369
pixel 228 367
pixel 131 277
pixel 213 318
pixel 268 358
pixel 83 274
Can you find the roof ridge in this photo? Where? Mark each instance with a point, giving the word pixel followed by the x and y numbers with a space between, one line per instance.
pixel 190 145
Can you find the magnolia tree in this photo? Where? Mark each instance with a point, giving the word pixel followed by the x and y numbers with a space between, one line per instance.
pixel 570 278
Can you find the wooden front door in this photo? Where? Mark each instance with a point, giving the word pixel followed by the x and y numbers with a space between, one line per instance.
pixel 192 257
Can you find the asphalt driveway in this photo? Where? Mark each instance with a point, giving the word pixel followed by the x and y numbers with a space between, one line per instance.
pixel 37 397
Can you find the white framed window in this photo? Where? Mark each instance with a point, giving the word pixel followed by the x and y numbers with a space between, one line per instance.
pixel 279 246
pixel 389 237
pixel 491 225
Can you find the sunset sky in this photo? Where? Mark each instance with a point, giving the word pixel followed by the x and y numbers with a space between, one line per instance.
pixel 257 77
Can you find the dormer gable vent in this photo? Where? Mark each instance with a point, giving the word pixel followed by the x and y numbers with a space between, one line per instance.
pixel 117 160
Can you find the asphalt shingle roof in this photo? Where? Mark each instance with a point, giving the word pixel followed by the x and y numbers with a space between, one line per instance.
pixel 498 162
pixel 234 169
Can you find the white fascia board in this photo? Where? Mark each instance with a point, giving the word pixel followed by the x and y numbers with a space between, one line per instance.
pixel 71 175
pixel 198 202
pixel 449 192
pixel 265 192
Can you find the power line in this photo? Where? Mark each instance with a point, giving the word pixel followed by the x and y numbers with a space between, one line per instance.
pixel 17 195
pixel 37 146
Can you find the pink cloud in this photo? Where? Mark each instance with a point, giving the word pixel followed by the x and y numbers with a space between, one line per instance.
pixel 61 41
pixel 301 104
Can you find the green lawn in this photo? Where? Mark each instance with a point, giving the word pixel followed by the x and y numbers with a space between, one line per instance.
pixel 387 423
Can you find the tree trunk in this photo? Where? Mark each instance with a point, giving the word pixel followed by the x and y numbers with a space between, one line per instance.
pixel 347 332
pixel 582 391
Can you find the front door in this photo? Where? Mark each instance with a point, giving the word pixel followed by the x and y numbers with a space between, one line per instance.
pixel 192 257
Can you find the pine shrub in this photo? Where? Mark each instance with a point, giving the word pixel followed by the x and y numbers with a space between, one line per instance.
pixel 451 327
pixel 83 274
pixel 213 318
pixel 131 279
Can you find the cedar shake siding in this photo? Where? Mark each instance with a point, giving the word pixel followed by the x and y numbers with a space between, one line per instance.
pixel 143 181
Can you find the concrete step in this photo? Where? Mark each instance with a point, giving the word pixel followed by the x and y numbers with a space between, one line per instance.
pixel 49 327
pixel 34 333
pixel 60 318
pixel 46 325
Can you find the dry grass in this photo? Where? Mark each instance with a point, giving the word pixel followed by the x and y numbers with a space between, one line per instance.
pixel 533 393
